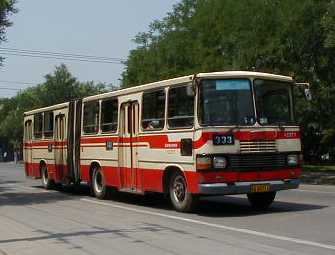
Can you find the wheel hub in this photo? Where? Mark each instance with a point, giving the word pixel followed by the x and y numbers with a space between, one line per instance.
pixel 179 189
pixel 98 182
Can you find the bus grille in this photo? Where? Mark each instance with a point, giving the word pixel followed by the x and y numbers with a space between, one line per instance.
pixel 258 146
pixel 257 161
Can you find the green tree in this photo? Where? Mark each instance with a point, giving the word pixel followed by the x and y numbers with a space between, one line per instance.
pixel 6 9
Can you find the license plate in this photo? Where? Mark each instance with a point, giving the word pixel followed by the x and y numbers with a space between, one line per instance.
pixel 256 188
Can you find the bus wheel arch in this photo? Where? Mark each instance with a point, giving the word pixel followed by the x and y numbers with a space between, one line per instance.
pixel 176 186
pixel 93 166
pixel 167 175
pixel 43 164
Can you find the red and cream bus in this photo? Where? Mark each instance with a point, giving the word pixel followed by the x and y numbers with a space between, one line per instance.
pixel 216 133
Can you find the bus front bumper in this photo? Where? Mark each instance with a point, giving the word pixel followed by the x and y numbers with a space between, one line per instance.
pixel 245 187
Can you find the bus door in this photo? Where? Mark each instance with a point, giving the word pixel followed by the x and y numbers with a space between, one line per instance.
pixel 28 159
pixel 59 151
pixel 128 163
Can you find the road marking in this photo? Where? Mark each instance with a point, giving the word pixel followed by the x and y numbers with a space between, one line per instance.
pixel 315 191
pixel 240 230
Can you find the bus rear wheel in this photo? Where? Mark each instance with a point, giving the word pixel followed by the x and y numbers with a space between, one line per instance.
pixel 99 187
pixel 261 200
pixel 181 199
pixel 46 181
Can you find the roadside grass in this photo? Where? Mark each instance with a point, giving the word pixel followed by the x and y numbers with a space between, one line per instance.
pixel 318 168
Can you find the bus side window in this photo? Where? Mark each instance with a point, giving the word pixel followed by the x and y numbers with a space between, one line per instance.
pixel 180 107
pixel 27 131
pixel 91 118
pixel 109 115
pixel 38 125
pixel 48 124
pixel 153 107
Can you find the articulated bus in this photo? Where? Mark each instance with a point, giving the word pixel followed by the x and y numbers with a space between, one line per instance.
pixel 219 133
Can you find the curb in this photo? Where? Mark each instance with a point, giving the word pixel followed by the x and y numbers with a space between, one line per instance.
pixel 321 177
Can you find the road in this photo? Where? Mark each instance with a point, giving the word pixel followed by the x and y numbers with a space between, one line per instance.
pixel 36 221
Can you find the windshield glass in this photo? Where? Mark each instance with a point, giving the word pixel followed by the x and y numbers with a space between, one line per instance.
pixel 273 102
pixel 226 102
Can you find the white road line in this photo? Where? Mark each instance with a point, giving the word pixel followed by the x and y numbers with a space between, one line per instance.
pixel 315 191
pixel 240 230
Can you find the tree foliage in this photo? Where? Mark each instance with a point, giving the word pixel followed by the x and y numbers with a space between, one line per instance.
pixel 287 37
pixel 59 87
pixel 6 9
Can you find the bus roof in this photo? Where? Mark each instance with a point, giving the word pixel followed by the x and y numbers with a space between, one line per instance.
pixel 189 78
pixel 48 108
pixel 245 74
pixel 174 81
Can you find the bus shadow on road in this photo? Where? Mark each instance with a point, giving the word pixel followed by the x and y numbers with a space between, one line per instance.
pixel 11 196
pixel 231 206
pixel 223 206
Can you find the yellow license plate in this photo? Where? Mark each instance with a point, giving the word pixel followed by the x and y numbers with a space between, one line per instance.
pixel 256 188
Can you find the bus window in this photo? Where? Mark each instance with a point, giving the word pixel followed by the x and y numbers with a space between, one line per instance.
pixel 27 131
pixel 38 125
pixel 48 124
pixel 180 107
pixel 91 118
pixel 153 108
pixel 109 115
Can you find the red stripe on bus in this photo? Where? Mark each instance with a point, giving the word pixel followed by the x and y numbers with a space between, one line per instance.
pixel 162 141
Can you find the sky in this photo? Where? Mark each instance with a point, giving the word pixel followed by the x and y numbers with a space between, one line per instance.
pixel 99 28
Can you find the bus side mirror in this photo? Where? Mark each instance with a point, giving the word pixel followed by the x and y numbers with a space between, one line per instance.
pixel 307 91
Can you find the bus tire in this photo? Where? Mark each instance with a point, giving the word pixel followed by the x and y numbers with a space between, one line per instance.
pixel 99 187
pixel 261 201
pixel 181 199
pixel 46 181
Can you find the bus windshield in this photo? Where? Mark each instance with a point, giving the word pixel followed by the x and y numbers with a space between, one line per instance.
pixel 273 102
pixel 226 102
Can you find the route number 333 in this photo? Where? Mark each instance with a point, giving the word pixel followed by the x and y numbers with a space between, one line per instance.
pixel 219 139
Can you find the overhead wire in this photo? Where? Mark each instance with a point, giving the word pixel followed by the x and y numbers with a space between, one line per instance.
pixel 13 89
pixel 59 55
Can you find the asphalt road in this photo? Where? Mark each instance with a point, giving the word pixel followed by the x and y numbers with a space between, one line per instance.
pixel 36 221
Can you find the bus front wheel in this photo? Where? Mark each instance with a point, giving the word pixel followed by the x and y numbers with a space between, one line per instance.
pixel 261 200
pixel 182 200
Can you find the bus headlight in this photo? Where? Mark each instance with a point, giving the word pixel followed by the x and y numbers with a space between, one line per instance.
pixel 204 162
pixel 220 162
pixel 292 160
